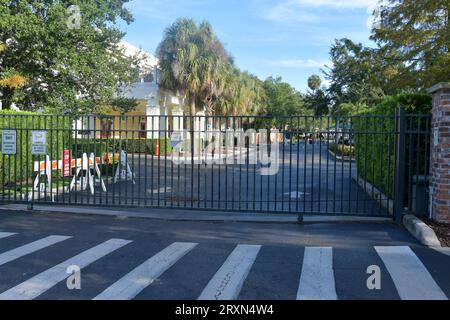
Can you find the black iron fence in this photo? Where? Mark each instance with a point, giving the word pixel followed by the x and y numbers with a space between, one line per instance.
pixel 298 164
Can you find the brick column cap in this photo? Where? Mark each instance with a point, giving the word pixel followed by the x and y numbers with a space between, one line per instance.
pixel 439 86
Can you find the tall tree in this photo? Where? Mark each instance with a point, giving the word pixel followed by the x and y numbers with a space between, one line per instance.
pixel 71 67
pixel 314 82
pixel 418 34
pixel 356 75
pixel 193 60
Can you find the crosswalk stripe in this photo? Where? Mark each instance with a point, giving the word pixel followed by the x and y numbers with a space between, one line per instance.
pixel 40 283
pixel 6 234
pixel 227 282
pixel 145 274
pixel 317 277
pixel 30 248
pixel 410 276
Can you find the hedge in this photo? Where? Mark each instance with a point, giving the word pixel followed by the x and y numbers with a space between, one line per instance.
pixel 133 146
pixel 375 141
pixel 14 168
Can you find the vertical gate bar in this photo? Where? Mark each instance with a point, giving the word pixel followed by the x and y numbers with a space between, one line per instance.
pixel 380 179
pixel 358 159
pixel 192 129
pixel 400 165
pixel 283 174
pixel 215 137
pixel 265 148
pixel 290 164
pixel 158 145
pixel 9 164
pixel 336 141
pixel 374 129
pixel 304 162
pixel 233 178
pixel 114 151
pixel 409 131
pixel 351 141
pixel 21 155
pixel 417 170
pixel 313 159
pixel 166 132
pixel 153 160
pixel 207 166
pixel 219 170
pixel 106 144
pixel 199 160
pixel 255 158
pixel 58 154
pixel 146 151
pixel 3 161
pixel 389 168
pixel 366 133
pixel 297 182
pixel 17 176
pixel 94 151
pixel 319 198
pixel 328 165
pixel 344 132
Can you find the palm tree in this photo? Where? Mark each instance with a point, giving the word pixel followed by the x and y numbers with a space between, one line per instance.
pixel 193 61
pixel 178 55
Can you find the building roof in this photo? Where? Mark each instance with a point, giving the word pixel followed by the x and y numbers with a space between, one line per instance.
pixel 149 61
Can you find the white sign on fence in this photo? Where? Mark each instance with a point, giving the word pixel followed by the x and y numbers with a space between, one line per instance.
pixel 9 142
pixel 176 139
pixel 39 142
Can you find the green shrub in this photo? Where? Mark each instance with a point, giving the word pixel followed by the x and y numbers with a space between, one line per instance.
pixel 17 169
pixel 375 139
pixel 342 150
pixel 132 146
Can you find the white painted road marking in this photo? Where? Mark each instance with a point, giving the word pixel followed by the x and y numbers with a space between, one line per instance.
pixel 410 276
pixel 227 282
pixel 30 248
pixel 317 278
pixel 40 283
pixel 6 234
pixel 138 279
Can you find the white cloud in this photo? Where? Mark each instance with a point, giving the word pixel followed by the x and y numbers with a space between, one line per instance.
pixel 337 3
pixel 299 63
pixel 301 10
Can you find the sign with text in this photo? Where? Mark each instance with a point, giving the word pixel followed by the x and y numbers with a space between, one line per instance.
pixel 176 139
pixel 9 142
pixel 39 142
pixel 66 163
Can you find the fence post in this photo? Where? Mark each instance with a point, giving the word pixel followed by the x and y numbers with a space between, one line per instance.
pixel 399 175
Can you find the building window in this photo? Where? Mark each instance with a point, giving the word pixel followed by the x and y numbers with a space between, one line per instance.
pixel 106 128
pixel 143 130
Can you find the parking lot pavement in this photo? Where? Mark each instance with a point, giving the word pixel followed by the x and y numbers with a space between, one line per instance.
pixel 147 259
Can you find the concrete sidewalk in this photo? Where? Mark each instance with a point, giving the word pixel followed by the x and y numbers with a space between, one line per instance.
pixel 193 215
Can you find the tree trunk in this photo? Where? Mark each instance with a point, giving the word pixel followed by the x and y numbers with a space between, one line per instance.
pixel 192 110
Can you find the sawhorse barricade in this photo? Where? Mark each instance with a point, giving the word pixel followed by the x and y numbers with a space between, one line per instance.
pixel 123 171
pixel 85 168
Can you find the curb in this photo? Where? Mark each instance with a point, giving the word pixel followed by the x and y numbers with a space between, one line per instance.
pixel 196 216
pixel 421 231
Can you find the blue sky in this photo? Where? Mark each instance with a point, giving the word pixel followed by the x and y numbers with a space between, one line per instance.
pixel 289 38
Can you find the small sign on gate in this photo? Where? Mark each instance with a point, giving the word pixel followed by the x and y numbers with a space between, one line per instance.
pixel 9 142
pixel 67 163
pixel 176 139
pixel 39 142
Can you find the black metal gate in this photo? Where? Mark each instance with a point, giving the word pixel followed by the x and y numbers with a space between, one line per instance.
pixel 359 165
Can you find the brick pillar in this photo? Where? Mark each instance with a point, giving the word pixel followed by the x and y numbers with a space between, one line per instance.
pixel 440 153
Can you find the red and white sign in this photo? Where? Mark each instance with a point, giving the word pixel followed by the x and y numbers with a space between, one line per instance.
pixel 67 163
